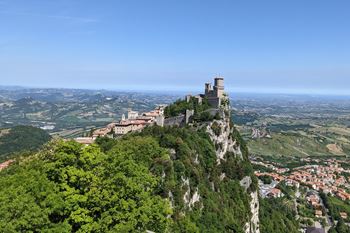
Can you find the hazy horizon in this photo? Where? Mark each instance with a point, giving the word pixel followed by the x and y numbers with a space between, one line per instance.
pixel 193 91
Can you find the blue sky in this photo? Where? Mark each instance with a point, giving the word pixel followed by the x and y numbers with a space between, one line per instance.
pixel 296 46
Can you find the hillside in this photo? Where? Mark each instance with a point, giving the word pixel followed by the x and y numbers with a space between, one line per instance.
pixel 168 171
pixel 21 139
pixel 164 179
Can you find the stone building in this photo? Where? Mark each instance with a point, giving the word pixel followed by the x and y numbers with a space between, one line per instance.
pixel 137 122
pixel 124 127
pixel 214 94
pixel 132 114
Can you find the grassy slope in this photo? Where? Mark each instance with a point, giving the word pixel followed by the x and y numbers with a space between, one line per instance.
pixel 323 141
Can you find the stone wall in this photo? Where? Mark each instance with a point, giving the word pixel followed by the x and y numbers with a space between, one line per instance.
pixel 175 121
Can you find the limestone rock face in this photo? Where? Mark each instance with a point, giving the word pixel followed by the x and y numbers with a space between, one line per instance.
pixel 254 206
pixel 246 182
pixel 189 200
pixel 230 154
pixel 222 138
pixel 220 132
pixel 253 225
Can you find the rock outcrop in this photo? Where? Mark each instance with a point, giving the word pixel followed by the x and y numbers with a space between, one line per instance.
pixel 220 132
pixel 209 173
pixel 254 224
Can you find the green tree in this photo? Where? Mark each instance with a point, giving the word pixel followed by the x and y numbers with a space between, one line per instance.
pixel 69 187
pixel 19 139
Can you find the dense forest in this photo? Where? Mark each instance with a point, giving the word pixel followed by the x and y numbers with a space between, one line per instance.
pixel 277 217
pixel 224 205
pixel 20 139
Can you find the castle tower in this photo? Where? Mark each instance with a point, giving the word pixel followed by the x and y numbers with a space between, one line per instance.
pixel 207 88
pixel 219 87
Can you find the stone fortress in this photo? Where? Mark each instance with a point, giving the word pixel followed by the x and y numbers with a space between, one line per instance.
pixel 214 94
pixel 217 94
pixel 134 121
pixel 216 97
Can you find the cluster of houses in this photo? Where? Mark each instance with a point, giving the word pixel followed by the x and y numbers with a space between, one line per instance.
pixel 272 166
pixel 326 178
pixel 315 201
pixel 270 190
pixel 132 123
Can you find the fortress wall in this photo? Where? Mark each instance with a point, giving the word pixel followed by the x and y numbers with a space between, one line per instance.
pixel 175 121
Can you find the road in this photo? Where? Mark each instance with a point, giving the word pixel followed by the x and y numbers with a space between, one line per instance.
pixel 328 218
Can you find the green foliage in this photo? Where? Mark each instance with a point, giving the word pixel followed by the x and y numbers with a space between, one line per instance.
pixel 287 190
pixel 242 118
pixel 335 206
pixel 236 168
pixel 125 185
pixel 216 129
pixel 203 116
pixel 341 227
pixel 266 179
pixel 20 139
pixel 225 102
pixel 29 201
pixel 224 205
pixel 180 107
pixel 277 216
pixel 105 143
pixel 70 188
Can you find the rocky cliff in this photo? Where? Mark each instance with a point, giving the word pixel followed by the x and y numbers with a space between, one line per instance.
pixel 222 134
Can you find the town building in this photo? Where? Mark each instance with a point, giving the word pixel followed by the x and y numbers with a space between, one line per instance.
pixel 274 193
pixel 135 122
pixel 132 114
pixel 126 126
pixel 85 140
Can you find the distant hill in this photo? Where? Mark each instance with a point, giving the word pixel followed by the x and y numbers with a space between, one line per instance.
pixel 20 139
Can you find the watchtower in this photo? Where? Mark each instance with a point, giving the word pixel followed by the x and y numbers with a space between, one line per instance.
pixel 219 88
